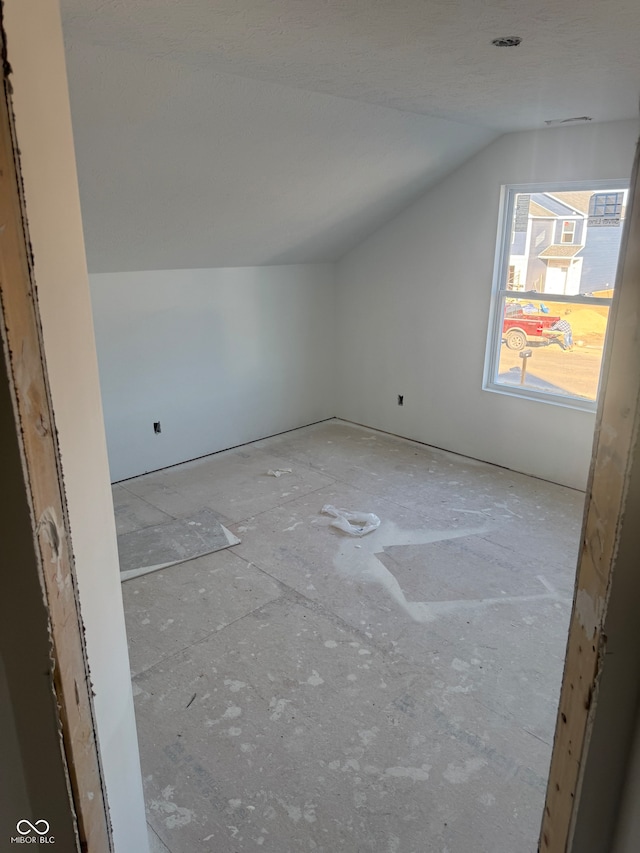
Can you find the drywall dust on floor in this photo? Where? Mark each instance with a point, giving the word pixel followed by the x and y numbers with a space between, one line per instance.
pixel 307 690
pixel 361 562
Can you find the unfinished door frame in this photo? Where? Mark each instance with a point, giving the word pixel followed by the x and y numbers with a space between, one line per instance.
pixel 23 349
pixel 586 661
pixel 592 699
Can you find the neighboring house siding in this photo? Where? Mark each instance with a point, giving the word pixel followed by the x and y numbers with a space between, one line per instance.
pixel 591 269
pixel 536 267
pixel 600 258
pixel 519 243
pixel 553 205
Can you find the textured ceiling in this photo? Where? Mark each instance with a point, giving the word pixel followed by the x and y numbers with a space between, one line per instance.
pixel 241 132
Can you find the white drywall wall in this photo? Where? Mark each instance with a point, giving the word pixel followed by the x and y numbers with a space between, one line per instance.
pixel 43 124
pixel 413 310
pixel 218 356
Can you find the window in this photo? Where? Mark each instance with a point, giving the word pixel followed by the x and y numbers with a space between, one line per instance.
pixel 607 205
pixel 546 341
pixel 568 231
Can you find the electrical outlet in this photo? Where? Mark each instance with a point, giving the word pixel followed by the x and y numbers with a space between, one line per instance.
pixel 157 428
pixel 401 399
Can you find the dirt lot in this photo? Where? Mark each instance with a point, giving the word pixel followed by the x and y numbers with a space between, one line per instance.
pixel 589 322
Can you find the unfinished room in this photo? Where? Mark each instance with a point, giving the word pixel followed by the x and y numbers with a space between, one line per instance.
pixel 351 267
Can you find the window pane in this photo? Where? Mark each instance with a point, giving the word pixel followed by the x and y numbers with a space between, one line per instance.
pixel 550 253
pixel 568 230
pixel 564 342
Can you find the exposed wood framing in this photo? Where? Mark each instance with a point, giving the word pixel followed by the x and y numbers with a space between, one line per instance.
pixel 615 439
pixel 21 338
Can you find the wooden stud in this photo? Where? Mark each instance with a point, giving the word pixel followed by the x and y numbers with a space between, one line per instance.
pixel 617 426
pixel 21 338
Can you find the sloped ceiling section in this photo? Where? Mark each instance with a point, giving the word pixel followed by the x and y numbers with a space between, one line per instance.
pixel 186 168
pixel 248 132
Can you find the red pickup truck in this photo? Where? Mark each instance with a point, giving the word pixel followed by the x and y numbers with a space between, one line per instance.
pixel 519 328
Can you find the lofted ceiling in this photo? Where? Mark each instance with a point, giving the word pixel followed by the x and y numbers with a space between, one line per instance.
pixel 217 133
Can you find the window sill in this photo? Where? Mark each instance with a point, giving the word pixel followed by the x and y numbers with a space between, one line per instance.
pixel 574 403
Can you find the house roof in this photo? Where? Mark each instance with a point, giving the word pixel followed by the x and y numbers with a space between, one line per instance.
pixel 578 200
pixel 536 209
pixel 560 251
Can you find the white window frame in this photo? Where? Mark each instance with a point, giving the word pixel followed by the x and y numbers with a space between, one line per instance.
pixel 508 192
pixel 570 232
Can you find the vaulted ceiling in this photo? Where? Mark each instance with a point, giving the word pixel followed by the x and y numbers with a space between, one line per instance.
pixel 246 132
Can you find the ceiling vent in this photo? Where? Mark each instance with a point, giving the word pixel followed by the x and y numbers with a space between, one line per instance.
pixel 551 122
pixel 507 41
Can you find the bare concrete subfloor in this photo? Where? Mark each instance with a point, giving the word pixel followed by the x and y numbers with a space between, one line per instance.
pixel 307 691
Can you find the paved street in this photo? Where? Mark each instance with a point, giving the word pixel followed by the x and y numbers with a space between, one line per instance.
pixel 554 370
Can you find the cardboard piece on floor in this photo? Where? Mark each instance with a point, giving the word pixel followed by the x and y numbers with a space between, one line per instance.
pixel 164 545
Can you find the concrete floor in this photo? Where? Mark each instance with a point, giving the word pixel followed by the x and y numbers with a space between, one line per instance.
pixel 309 691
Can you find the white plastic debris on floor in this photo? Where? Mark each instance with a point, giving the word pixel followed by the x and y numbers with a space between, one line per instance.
pixel 278 472
pixel 353 523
